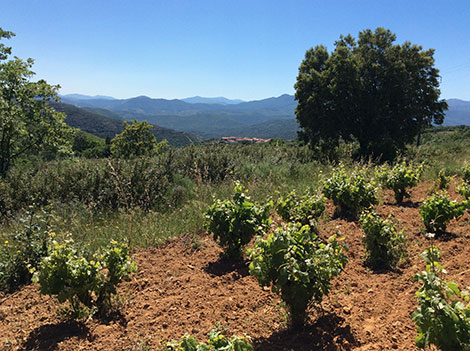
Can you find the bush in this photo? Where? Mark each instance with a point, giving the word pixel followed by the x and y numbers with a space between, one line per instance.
pixel 399 178
pixel 298 265
pixel 437 211
pixel 216 342
pixel 100 184
pixel 442 318
pixel 303 209
pixel 235 223
pixel 23 253
pixel 84 279
pixel 384 244
pixel 350 193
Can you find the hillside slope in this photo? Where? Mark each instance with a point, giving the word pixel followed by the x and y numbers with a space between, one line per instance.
pixel 103 126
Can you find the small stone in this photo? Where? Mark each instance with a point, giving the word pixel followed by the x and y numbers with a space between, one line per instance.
pixel 347 310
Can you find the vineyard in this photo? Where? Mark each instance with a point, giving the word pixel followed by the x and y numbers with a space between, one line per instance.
pixel 337 264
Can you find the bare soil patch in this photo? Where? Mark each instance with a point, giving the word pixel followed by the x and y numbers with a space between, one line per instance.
pixel 178 290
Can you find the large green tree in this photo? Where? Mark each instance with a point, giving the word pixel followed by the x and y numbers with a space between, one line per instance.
pixel 371 90
pixel 27 123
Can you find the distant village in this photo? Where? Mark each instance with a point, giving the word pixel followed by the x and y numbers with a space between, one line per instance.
pixel 243 140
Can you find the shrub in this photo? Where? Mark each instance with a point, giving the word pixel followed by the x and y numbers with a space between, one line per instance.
pixel 437 211
pixel 399 178
pixel 216 342
pixel 23 253
pixel 206 163
pixel 84 279
pixel 442 318
pixel 234 223
pixel 101 184
pixel 298 265
pixel 350 193
pixel 384 244
pixel 303 209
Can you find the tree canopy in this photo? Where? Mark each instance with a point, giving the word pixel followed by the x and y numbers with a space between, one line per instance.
pixel 27 123
pixel 136 140
pixel 370 90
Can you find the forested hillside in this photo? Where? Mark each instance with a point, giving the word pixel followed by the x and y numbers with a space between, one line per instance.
pixel 102 126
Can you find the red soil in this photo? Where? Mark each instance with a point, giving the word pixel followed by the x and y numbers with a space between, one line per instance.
pixel 178 291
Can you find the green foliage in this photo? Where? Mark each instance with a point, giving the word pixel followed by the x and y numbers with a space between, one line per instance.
pixel 370 90
pixel 442 182
pixel 466 173
pixel 136 140
pixel 216 342
pixel 90 146
pixel 207 163
pixel 235 223
pixel 303 209
pixel 101 184
pixel 386 247
pixel 464 190
pixel 398 178
pixel 23 253
pixel 298 265
pixel 84 279
pixel 350 193
pixel 437 211
pixel 27 123
pixel 442 318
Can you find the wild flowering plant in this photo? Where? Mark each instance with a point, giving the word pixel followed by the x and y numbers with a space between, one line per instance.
pixel 21 254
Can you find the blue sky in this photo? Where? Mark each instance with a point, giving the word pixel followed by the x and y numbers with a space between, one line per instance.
pixel 232 48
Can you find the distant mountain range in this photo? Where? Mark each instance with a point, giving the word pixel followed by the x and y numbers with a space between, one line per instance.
pixel 216 117
pixel 215 100
pixel 283 105
pixel 458 113
pixel 86 97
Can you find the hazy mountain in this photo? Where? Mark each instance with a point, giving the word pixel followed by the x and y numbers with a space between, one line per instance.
pixel 86 97
pixel 103 126
pixel 280 128
pixel 458 113
pixel 285 103
pixel 273 107
pixel 215 100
